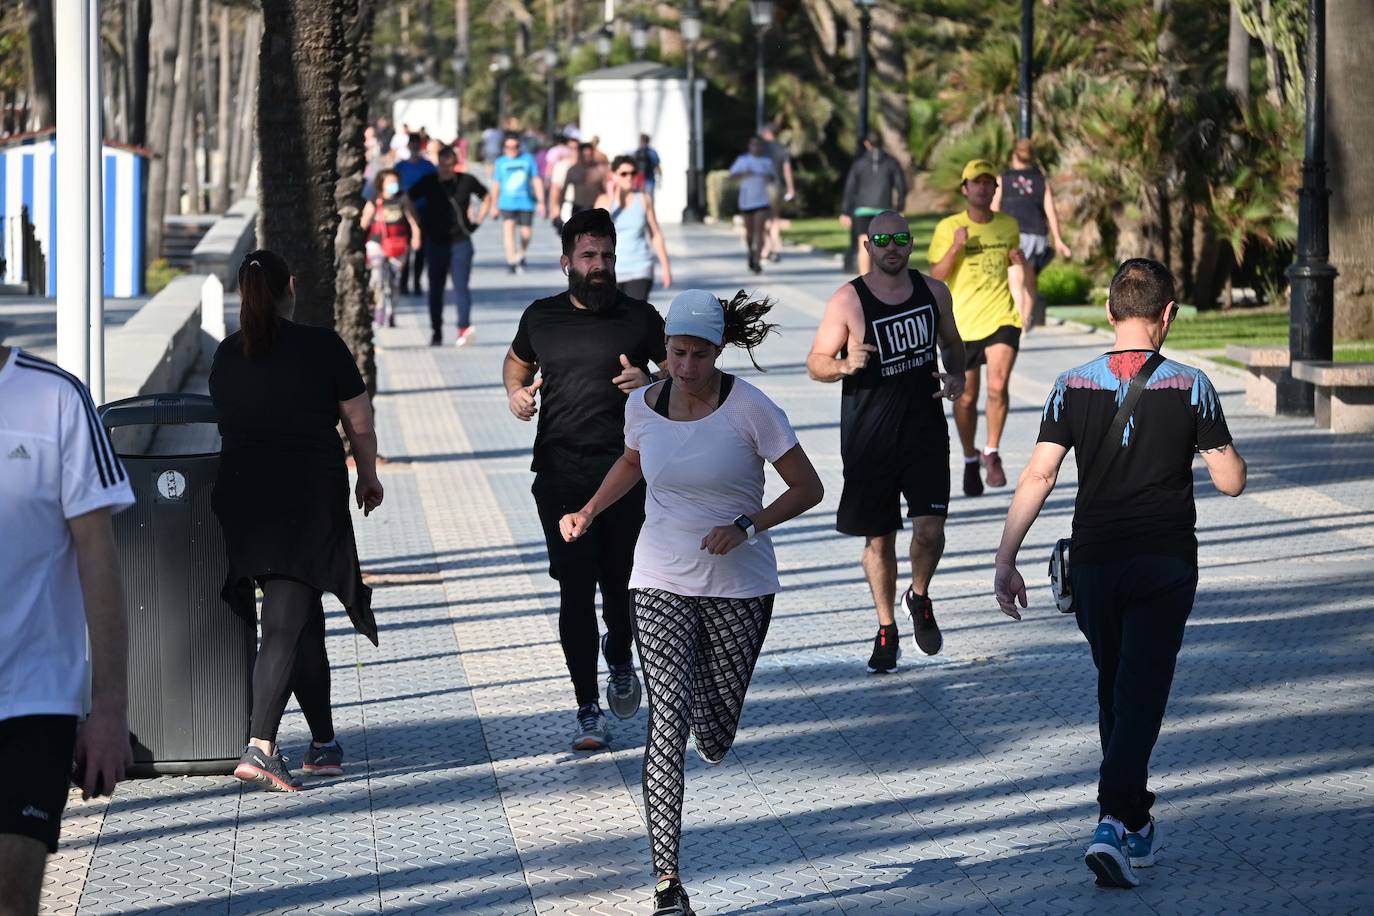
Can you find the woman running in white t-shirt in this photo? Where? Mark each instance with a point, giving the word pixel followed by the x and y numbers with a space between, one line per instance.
pixel 704 572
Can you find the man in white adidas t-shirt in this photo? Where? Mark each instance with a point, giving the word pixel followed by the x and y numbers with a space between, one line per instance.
pixel 60 481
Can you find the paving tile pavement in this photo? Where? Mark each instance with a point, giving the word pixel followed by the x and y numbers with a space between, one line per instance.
pixel 963 783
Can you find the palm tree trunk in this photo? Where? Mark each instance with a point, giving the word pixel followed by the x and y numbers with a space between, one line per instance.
pixel 223 160
pixel 1349 136
pixel 245 136
pixel 181 106
pixel 166 19
pixel 42 61
pixel 353 303
pixel 138 16
pixel 298 136
pixel 1238 56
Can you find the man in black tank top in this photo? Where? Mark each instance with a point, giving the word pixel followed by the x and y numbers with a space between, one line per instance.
pixel 879 335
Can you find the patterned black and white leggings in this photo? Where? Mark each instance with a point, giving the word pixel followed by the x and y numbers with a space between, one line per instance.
pixel 698 655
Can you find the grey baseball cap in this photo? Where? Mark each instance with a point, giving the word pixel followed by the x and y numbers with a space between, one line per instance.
pixel 696 313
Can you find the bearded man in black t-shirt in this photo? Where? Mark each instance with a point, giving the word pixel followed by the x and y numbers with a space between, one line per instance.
pixel 591 346
pixel 1134 564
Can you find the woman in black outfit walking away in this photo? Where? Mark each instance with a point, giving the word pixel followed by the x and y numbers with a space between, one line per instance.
pixel 282 499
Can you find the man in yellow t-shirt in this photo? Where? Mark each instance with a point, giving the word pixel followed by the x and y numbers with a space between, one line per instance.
pixel 972 251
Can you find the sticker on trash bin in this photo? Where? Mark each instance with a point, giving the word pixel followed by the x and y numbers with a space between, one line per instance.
pixel 171 484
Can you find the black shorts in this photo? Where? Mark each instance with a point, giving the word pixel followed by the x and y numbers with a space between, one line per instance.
pixel 870 503
pixel 975 351
pixel 35 774
pixel 752 210
pixel 860 224
pixel 521 217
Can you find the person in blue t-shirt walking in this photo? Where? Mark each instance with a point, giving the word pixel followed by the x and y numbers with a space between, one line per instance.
pixel 411 171
pixel 520 194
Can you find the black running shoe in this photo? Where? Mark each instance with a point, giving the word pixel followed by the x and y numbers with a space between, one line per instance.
pixel 886 651
pixel 928 636
pixel 436 339
pixel 973 479
pixel 267 770
pixel 323 761
pixel 670 899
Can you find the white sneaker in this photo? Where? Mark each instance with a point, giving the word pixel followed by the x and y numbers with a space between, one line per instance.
pixel 464 337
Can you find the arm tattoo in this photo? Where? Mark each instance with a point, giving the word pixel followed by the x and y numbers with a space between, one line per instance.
pixel 1219 450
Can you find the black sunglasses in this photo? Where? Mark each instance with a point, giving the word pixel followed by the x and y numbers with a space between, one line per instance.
pixel 881 239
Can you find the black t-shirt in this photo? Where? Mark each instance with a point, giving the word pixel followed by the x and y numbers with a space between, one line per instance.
pixel 285 401
pixel 890 405
pixel 1023 196
pixel 581 413
pixel 444 218
pixel 1145 503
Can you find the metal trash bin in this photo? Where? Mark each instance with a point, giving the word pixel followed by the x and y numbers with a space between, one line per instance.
pixel 190 656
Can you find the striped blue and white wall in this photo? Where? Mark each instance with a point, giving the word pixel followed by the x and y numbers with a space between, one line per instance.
pixel 28 177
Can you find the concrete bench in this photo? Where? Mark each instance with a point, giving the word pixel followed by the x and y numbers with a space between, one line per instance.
pixel 1266 364
pixel 1345 394
pixel 226 242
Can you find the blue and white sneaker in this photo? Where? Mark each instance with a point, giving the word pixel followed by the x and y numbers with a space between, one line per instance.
pixel 623 691
pixel 1143 847
pixel 1106 856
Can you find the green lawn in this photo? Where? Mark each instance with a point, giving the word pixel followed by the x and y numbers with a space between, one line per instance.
pixel 1214 330
pixel 826 234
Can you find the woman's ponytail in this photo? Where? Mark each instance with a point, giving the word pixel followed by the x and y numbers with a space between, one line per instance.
pixel 263 281
pixel 744 324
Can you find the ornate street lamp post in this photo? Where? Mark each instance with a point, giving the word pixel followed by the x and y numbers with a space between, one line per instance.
pixel 865 21
pixel 761 14
pixel 460 73
pixel 550 72
pixel 500 65
pixel 691 34
pixel 605 41
pixel 1312 279
pixel 639 37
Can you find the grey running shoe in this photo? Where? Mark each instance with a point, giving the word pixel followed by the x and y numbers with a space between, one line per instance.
pixel 267 770
pixel 323 761
pixel 592 733
pixel 671 900
pixel 623 691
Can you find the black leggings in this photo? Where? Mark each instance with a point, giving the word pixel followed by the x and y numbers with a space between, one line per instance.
pixel 603 556
pixel 291 659
pixel 698 656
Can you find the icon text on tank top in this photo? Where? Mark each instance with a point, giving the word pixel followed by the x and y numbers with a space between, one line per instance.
pixel 906 340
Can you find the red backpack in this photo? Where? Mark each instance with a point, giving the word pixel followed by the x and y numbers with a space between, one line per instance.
pixel 394 233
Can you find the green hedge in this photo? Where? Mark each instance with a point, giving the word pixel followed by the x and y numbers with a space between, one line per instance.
pixel 1064 284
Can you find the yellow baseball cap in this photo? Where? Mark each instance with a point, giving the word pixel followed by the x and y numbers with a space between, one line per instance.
pixel 978 167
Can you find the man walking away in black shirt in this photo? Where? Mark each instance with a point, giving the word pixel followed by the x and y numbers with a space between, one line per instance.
pixel 878 337
pixel 1133 565
pixel 591 346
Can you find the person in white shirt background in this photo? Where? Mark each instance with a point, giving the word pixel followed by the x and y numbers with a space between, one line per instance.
pixel 61 483
pixel 704 571
pixel 757 174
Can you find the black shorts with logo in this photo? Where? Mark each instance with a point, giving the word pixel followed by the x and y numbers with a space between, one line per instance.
pixel 976 351
pixel 35 773
pixel 870 503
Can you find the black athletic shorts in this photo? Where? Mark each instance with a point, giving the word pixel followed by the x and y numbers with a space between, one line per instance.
pixel 870 503
pixel 975 351
pixel 860 224
pixel 520 217
pixel 35 773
